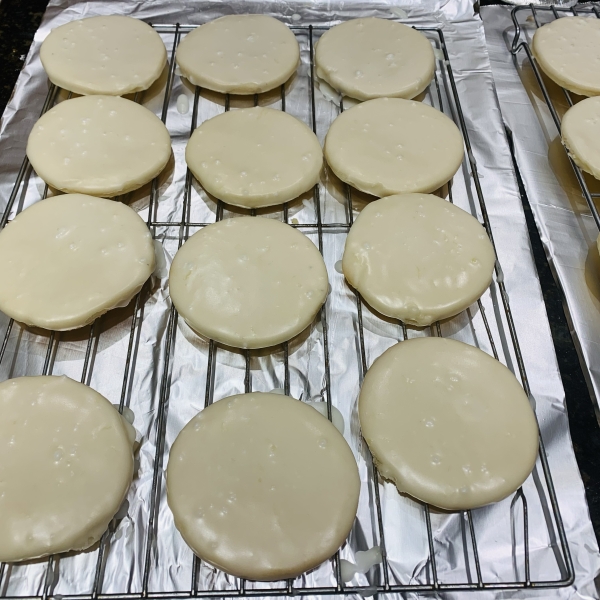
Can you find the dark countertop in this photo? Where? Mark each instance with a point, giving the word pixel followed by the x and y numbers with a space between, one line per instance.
pixel 18 22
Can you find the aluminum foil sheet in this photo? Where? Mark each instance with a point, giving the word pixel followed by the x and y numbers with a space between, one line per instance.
pixel 166 381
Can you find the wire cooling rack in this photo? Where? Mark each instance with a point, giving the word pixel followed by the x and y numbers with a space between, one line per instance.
pixel 520 43
pixel 443 95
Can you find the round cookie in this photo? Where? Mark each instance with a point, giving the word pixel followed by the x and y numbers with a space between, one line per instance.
pixel 112 55
pixel 447 423
pixel 374 58
pixel 254 157
pixel 248 282
pixel 67 463
pixel 394 146
pixel 98 145
pixel 418 258
pixel 567 49
pixel 68 259
pixel 242 478
pixel 239 54
pixel 580 129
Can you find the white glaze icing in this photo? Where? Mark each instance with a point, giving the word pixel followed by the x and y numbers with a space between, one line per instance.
pixel 248 282
pixel 67 463
pixel 239 54
pixel 336 416
pixel 373 58
pixel 112 55
pixel 580 131
pixel 418 258
pixel 98 145
pixel 447 423
pixel 394 146
pixel 365 560
pixel 568 50
pixel 255 157
pixel 183 104
pixel 68 259
pixel 242 478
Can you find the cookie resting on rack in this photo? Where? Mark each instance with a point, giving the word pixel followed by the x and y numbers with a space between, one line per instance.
pixel 447 423
pixel 375 58
pixel 98 145
pixel 67 463
pixel 418 258
pixel 567 49
pixel 580 129
pixel 66 260
pixel 248 282
pixel 394 146
pixel 239 54
pixel 262 486
pixel 255 157
pixel 112 55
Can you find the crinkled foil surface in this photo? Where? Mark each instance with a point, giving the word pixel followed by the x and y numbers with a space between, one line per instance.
pixel 165 564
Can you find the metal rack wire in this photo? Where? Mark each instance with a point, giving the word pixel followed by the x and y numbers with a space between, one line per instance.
pixel 384 581
pixel 522 44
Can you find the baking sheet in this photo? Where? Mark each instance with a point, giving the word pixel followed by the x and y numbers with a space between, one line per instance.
pixel 497 527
